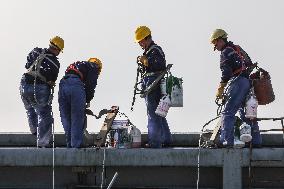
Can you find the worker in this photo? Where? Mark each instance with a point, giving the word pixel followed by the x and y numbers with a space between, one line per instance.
pixel 37 89
pixel 76 90
pixel 153 60
pixel 235 65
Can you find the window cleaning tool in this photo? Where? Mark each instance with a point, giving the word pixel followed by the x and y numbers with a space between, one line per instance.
pixel 90 112
pixel 102 135
pixel 101 113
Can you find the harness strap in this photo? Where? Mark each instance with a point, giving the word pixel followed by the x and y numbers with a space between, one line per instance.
pixel 237 50
pixel 155 47
pixel 37 64
pixel 74 67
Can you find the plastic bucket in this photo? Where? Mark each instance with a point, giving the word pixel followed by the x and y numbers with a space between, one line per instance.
pixel 245 133
pixel 163 107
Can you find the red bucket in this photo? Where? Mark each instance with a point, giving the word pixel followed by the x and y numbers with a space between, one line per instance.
pixel 263 89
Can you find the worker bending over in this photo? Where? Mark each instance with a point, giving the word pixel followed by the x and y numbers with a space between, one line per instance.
pixel 76 90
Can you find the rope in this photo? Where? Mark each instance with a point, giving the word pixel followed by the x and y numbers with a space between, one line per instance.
pixel 53 155
pixel 140 71
pixel 103 168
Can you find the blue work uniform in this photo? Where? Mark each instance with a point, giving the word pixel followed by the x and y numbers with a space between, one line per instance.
pixel 158 129
pixel 42 67
pixel 76 89
pixel 233 63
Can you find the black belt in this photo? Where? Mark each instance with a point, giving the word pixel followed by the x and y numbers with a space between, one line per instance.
pixel 71 72
pixel 68 75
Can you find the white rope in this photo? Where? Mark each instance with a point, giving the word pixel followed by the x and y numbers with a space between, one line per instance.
pixel 103 168
pixel 53 154
pixel 198 161
pixel 112 180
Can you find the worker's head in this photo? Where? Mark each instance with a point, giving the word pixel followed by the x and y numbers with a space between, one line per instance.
pixel 218 39
pixel 97 62
pixel 143 36
pixel 56 45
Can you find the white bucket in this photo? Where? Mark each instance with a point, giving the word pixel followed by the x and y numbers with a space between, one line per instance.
pixel 177 95
pixel 251 107
pixel 245 132
pixel 135 134
pixel 163 107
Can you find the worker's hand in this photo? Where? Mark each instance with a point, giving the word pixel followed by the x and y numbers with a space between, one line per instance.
pixel 88 105
pixel 143 59
pixel 220 90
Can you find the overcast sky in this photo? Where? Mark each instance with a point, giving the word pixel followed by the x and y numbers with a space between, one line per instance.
pixel 105 29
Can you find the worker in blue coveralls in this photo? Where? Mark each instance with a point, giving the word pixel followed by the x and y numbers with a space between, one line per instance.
pixel 235 65
pixel 76 90
pixel 153 59
pixel 37 89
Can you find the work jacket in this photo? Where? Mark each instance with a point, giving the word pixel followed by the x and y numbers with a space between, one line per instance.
pixel 234 61
pixel 48 68
pixel 156 58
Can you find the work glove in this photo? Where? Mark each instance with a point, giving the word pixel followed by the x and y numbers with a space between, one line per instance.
pixel 143 59
pixel 220 90
pixel 88 105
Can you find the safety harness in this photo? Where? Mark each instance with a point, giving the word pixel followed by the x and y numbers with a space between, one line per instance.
pixel 34 69
pixel 73 67
pixel 238 51
pixel 161 52
pixel 36 74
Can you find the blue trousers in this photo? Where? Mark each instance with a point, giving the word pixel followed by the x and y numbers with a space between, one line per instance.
pixel 237 92
pixel 35 99
pixel 158 128
pixel 72 104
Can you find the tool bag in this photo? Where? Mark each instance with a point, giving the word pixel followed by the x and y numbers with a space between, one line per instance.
pixel 175 90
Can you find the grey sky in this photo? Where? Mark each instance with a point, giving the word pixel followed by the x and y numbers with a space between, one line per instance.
pixel 106 29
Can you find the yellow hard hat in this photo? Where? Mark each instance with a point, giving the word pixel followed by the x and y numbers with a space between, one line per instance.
pixel 98 62
pixel 218 33
pixel 58 42
pixel 141 32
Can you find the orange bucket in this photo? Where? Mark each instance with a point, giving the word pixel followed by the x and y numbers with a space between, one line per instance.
pixel 263 89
